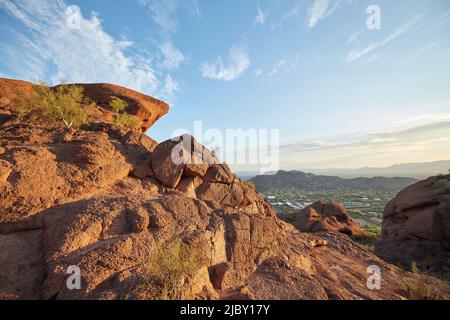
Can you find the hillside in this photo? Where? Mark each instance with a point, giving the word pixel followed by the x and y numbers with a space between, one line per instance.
pixel 312 182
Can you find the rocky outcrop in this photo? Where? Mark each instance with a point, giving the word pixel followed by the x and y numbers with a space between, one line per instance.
pixel 323 216
pixel 146 109
pixel 416 226
pixel 102 200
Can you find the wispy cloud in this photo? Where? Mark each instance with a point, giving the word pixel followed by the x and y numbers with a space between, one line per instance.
pixel 172 57
pixel 281 64
pixel 354 37
pixel 63 44
pixel 373 58
pixel 406 26
pixel 164 13
pixel 321 9
pixel 237 61
pixel 169 89
pixel 418 53
pixel 258 73
pixel 284 66
pixel 294 12
pixel 261 16
pixel 418 143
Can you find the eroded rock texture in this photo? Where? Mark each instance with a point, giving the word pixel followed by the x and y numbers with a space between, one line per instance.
pixel 416 226
pixel 326 216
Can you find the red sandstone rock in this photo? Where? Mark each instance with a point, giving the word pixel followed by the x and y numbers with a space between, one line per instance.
pixel 322 216
pixel 416 226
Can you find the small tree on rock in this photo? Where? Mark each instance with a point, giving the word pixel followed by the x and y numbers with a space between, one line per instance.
pixel 121 117
pixel 61 105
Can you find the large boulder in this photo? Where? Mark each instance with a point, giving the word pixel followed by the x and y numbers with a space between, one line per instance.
pixel 416 226
pixel 178 157
pixel 326 216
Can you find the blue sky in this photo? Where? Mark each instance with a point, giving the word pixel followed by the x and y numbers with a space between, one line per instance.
pixel 340 94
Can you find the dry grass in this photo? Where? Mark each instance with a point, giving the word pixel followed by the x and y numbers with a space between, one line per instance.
pixel 417 290
pixel 169 267
pixel 250 185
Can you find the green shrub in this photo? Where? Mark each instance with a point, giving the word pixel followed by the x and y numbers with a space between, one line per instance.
pixel 122 118
pixel 61 105
pixel 169 266
pixel 125 120
pixel 118 105
pixel 368 237
pixel 443 183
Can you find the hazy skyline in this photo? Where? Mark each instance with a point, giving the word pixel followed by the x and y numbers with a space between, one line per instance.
pixel 342 96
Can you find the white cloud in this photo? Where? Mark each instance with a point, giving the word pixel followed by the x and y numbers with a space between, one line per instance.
pixel 358 53
pixel 74 48
pixel 237 62
pixel 321 9
pixel 261 16
pixel 163 12
pixel 172 57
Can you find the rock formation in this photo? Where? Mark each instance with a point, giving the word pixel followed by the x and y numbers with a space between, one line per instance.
pixel 147 109
pixel 416 227
pixel 104 199
pixel 323 216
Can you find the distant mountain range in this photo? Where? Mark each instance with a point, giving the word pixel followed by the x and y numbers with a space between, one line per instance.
pixel 308 181
pixel 409 170
pixel 413 170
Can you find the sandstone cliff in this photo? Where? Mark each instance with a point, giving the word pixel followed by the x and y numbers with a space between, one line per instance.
pixel 104 199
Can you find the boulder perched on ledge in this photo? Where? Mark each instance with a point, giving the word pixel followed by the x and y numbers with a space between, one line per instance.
pixel 326 216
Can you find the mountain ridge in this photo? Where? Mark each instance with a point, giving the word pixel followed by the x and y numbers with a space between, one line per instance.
pixel 417 170
pixel 309 181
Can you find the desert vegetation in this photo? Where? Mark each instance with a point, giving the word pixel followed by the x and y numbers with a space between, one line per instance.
pixel 442 182
pixel 59 106
pixel 417 290
pixel 4 101
pixel 250 184
pixel 121 117
pixel 368 237
pixel 169 267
